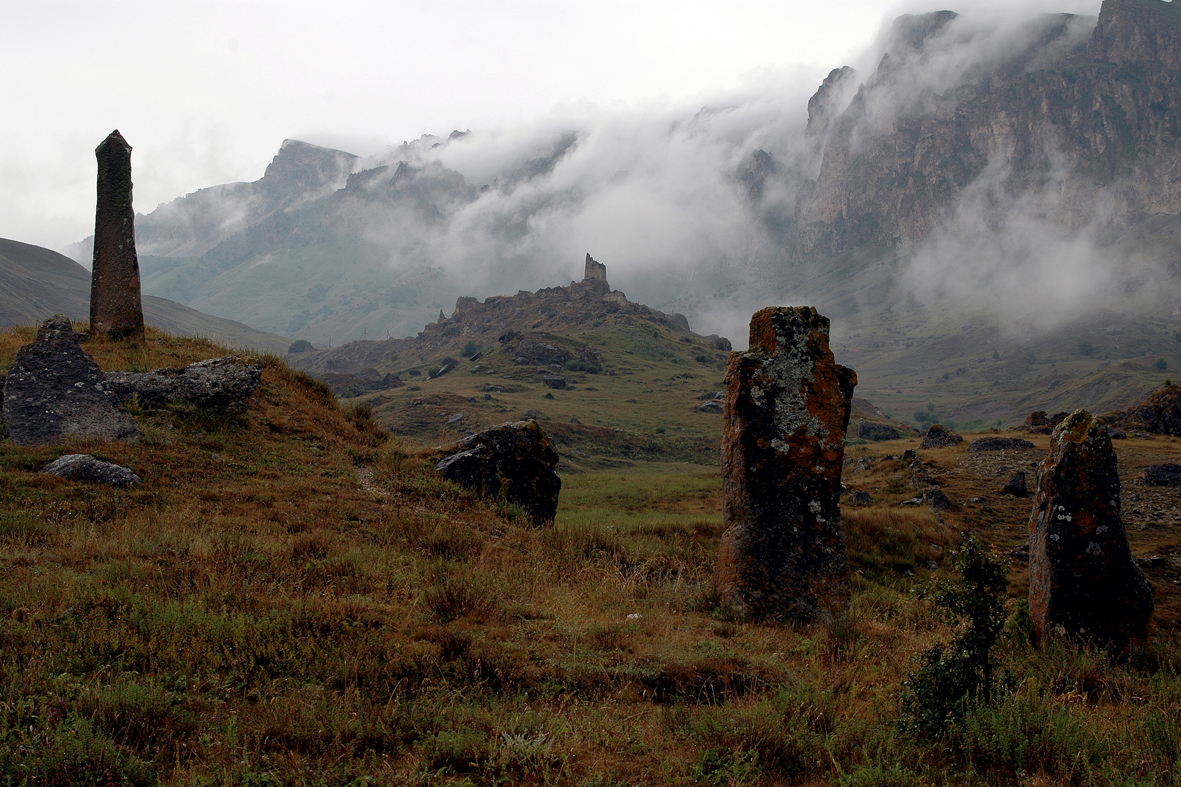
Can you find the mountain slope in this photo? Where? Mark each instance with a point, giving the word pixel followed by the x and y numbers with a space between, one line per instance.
pixel 36 283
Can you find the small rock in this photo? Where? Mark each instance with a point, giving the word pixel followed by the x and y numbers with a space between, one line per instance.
pixel 1016 485
pixel 455 418
pixel 914 501
pixel 1153 561
pixel 910 455
pixel 939 436
pixel 711 407
pixel 635 616
pixel 938 500
pixel 574 419
pixel 548 395
pixel 977 500
pixel 860 497
pixel 86 469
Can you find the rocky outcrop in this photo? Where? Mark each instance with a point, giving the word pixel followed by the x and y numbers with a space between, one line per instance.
pixel 998 444
pixel 116 306
pixel 868 430
pixel 1159 413
pixel 782 554
pixel 1093 115
pixel 939 436
pixel 222 385
pixel 55 390
pixel 515 462
pixel 1083 582
pixel 87 469
pixel 531 352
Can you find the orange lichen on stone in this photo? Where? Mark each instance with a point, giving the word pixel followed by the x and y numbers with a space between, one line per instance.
pixel 1083 582
pixel 783 554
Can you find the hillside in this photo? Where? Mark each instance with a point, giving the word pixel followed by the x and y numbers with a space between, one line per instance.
pixel 36 283
pixel 291 599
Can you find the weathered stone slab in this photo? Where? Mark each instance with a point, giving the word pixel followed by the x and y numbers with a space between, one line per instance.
pixel 116 307
pixel 87 469
pixel 939 436
pixel 998 444
pixel 1162 475
pixel 54 389
pixel 1082 580
pixel 514 461
pixel 782 555
pixel 220 384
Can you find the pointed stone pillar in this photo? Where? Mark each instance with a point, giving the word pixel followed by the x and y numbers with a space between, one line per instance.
pixel 116 307
pixel 782 554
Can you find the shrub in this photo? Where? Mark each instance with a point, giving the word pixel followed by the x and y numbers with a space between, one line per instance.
pixel 300 346
pixel 469 349
pixel 953 679
pixel 1161 364
pixel 922 416
pixel 1086 348
pixel 433 371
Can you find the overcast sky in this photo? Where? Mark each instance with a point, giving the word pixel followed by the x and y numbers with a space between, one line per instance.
pixel 206 91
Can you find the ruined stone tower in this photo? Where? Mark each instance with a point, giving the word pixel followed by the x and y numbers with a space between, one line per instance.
pixel 595 271
pixel 116 307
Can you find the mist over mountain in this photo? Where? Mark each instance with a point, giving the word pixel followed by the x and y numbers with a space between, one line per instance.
pixel 977 167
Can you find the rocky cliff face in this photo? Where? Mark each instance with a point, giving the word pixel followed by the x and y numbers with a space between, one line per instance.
pixel 1088 123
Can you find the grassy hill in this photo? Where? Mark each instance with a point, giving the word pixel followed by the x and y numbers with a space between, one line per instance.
pixel 36 283
pixel 292 598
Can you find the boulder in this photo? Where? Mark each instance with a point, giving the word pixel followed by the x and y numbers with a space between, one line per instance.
pixel 782 555
pixel 54 389
pixel 939 436
pixel 1016 485
pixel 868 430
pixel 1162 475
pixel 591 356
pixel 860 497
pixel 998 444
pixel 1039 422
pixel 87 469
pixel 220 384
pixel 1083 582
pixel 937 498
pixel 514 461
pixel 711 406
pixel 555 381
pixel 531 352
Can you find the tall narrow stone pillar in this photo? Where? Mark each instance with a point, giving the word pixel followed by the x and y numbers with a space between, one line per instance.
pixel 116 307
pixel 782 554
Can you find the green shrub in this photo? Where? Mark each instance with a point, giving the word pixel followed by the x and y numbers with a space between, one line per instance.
pixel 922 416
pixel 1086 348
pixel 433 370
pixel 1161 364
pixel 469 349
pixel 300 346
pixel 952 680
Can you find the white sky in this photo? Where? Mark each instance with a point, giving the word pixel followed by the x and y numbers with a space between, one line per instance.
pixel 206 91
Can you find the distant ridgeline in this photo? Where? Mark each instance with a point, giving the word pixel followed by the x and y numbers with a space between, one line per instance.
pixel 589 303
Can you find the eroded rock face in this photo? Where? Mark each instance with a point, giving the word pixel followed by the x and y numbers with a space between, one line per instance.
pixel 54 390
pixel 116 307
pixel 87 469
pixel 782 555
pixel 531 352
pixel 939 436
pixel 514 461
pixel 220 384
pixel 1159 413
pixel 1082 579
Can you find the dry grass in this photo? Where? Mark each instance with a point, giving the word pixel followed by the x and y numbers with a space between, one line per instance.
pixel 291 599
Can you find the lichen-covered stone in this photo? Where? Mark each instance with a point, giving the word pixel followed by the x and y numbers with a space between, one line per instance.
pixel 1082 580
pixel 116 306
pixel 54 390
pixel 939 436
pixel 223 385
pixel 1159 413
pixel 515 461
pixel 782 554
pixel 87 469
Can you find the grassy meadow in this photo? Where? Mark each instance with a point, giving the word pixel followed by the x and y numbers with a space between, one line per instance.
pixel 294 597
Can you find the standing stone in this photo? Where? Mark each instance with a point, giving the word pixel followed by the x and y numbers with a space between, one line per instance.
pixel 55 390
pixel 1082 580
pixel 782 554
pixel 116 309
